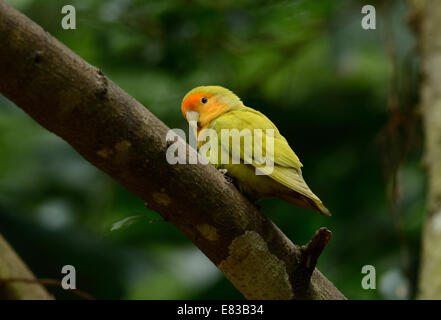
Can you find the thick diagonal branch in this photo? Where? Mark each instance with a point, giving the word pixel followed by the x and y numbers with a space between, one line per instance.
pixel 118 135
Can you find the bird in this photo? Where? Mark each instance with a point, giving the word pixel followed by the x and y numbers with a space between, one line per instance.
pixel 218 109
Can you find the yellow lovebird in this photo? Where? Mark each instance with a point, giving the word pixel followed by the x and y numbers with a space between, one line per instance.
pixel 219 109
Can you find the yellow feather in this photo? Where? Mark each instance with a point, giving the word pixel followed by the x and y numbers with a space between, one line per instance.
pixel 286 174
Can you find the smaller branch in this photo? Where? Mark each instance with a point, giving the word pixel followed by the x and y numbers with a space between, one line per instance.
pixel 12 267
pixel 312 251
pixel 46 282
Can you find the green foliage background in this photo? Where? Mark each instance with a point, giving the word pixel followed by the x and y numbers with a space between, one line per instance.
pixel 330 87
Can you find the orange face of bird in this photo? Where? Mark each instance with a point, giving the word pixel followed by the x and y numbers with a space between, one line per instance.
pixel 200 108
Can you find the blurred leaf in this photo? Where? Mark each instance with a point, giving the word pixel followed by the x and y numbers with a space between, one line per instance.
pixel 127 222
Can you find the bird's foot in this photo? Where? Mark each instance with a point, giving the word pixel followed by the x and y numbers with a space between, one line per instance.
pixel 227 177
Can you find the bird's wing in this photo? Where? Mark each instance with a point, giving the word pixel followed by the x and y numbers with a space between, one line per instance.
pixel 247 118
pixel 287 166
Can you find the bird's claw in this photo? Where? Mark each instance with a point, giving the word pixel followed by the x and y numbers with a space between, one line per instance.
pixel 227 178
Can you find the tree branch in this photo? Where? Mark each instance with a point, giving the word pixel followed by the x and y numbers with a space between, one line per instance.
pixel 312 251
pixel 118 135
pixel 425 18
pixel 12 268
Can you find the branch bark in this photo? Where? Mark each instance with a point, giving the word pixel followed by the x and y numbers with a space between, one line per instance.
pixel 12 268
pixel 426 20
pixel 118 135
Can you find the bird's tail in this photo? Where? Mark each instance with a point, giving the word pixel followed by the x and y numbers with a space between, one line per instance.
pixel 313 202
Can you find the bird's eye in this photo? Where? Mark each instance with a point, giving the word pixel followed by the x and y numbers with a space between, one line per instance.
pixel 204 100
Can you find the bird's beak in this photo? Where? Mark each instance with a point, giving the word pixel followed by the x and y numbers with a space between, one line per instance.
pixel 192 118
